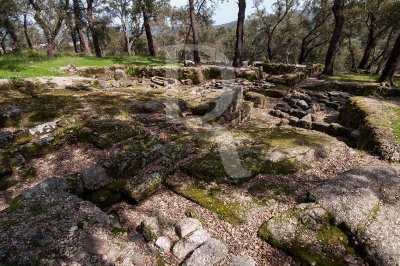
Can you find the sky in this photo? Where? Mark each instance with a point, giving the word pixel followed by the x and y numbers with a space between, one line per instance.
pixel 225 12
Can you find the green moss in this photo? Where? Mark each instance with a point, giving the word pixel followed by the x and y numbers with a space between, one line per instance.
pixel 148 234
pixel 233 211
pixel 324 246
pixel 16 203
pixel 334 236
pixel 277 192
pixel 24 138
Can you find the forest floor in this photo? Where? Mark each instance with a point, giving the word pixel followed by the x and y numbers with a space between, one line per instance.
pixel 92 158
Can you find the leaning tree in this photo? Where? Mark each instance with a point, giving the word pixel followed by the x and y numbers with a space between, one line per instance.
pixel 337 9
pixel 392 63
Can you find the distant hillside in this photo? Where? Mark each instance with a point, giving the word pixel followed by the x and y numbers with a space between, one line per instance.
pixel 226 25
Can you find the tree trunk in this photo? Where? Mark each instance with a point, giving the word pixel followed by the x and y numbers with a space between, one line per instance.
pixel 79 28
pixel 302 56
pixel 50 48
pixel 50 33
pixel 238 60
pixel 337 33
pixel 147 28
pixel 93 29
pixel 28 39
pixel 370 44
pixel 11 30
pixel 196 52
pixel 74 40
pixel 392 63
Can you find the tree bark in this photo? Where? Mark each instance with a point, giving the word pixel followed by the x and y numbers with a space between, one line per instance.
pixel 335 40
pixel 147 28
pixel 79 28
pixel 196 52
pixel 14 36
pixel 28 39
pixel 238 60
pixel 370 44
pixel 392 63
pixel 93 29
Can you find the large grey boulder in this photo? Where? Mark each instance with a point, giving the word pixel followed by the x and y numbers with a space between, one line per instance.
pixel 306 233
pixel 210 253
pixel 366 200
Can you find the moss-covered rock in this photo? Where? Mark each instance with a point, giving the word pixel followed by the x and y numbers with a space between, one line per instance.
pixel 306 233
pixel 262 151
pixel 289 80
pixel 258 99
pixel 143 186
pixel 275 91
pixel 355 88
pixel 153 227
pixel 104 133
pixel 365 201
pixel 234 210
pixel 377 120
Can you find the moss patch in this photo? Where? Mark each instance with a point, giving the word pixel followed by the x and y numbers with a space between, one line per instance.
pixel 234 211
